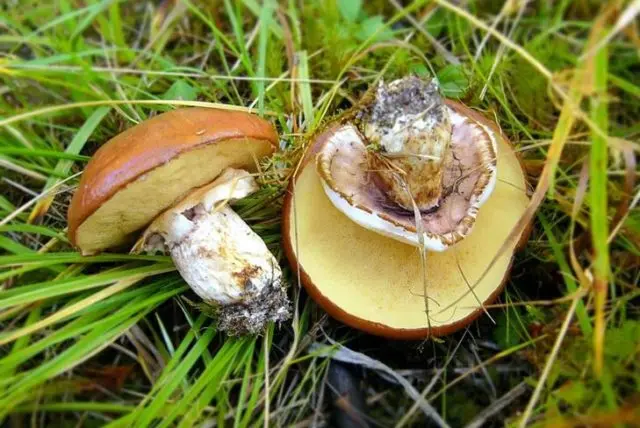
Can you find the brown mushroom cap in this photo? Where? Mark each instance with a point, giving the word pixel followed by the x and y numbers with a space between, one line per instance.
pixel 374 283
pixel 151 166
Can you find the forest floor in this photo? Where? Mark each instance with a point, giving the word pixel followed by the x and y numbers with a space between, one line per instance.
pixel 113 340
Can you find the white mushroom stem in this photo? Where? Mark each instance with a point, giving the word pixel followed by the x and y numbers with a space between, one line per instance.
pixel 221 258
pixel 409 124
pixel 468 178
pixel 225 262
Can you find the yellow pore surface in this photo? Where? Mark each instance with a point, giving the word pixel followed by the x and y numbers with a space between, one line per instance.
pixel 380 280
pixel 137 204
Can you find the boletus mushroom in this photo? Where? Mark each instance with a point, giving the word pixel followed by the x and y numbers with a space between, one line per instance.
pixel 175 175
pixel 398 209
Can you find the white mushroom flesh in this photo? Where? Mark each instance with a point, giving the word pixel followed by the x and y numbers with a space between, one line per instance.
pixel 221 258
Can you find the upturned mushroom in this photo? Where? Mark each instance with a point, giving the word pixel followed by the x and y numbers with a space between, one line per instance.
pixel 405 167
pixel 175 175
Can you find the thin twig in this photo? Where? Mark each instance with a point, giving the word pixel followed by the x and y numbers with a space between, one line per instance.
pixel 481 418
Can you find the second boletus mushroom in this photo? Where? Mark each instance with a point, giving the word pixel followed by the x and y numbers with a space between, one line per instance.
pixel 398 209
pixel 175 175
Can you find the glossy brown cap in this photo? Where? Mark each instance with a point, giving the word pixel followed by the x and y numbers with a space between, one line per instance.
pixel 156 142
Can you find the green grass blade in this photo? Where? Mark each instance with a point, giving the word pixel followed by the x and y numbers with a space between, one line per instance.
pixel 214 373
pixel 102 316
pixel 84 348
pixel 305 89
pixel 41 153
pixel 567 274
pixel 40 291
pixel 14 260
pixel 598 199
pixel 263 38
pixel 177 370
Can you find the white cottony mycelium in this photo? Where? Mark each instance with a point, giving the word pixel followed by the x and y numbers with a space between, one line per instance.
pixel 225 262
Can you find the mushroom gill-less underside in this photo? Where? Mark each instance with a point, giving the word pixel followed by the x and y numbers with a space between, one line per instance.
pixel 144 170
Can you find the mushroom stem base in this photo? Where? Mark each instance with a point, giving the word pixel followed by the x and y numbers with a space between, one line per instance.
pixel 229 267
pixel 252 314
pixel 409 182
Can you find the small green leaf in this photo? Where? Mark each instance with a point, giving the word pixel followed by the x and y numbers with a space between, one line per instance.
pixel 619 340
pixel 371 26
pixel 573 393
pixel 181 90
pixel 350 9
pixel 453 81
pixel 420 70
pixel 507 334
pixel 534 313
